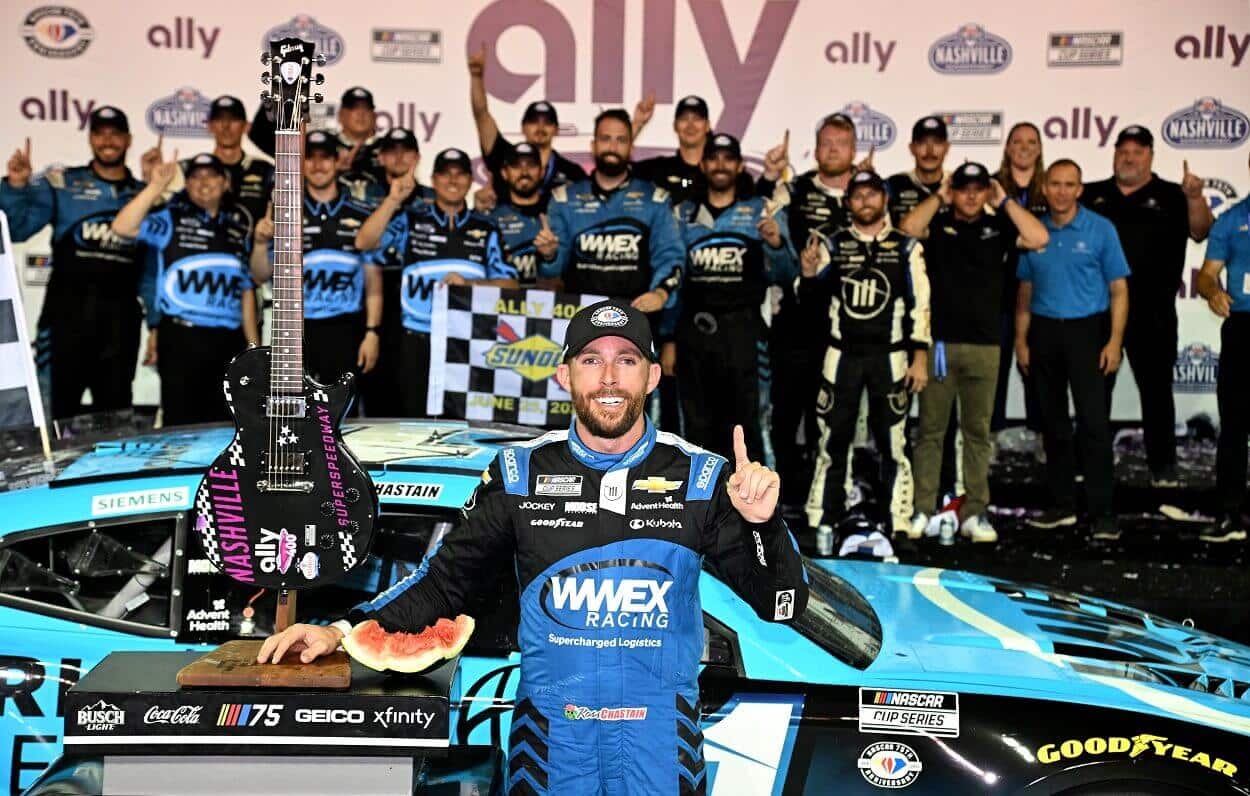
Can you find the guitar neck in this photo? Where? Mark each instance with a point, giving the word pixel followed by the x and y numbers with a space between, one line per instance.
pixel 287 341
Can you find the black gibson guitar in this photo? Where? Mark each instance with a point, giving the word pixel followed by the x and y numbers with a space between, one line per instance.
pixel 286 505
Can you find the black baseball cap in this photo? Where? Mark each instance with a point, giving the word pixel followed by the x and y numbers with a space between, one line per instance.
pixel 541 108
pixel 722 142
pixel 1135 132
pixel 109 116
pixel 321 141
pixel 869 179
pixel 691 103
pixel 226 105
pixel 522 151
pixel 205 160
pixel 609 318
pixel 399 136
pixel 970 174
pixel 929 126
pixel 357 95
pixel 450 158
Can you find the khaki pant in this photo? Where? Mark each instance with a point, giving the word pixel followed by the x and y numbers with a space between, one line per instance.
pixel 972 378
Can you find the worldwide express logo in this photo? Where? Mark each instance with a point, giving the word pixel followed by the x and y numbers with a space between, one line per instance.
pixel 971 50
pixel 1207 124
pixel 617 593
pixel 534 358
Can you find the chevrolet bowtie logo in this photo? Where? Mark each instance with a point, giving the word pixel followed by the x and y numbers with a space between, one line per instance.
pixel 656 484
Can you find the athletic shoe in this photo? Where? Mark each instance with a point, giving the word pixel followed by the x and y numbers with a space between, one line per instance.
pixel 1165 479
pixel 918 525
pixel 978 529
pixel 1106 528
pixel 1229 529
pixel 1053 518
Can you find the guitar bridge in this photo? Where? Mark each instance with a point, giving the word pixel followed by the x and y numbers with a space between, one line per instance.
pixel 278 406
pixel 302 486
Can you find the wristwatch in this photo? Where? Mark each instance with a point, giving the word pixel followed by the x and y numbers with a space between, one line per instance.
pixel 375 329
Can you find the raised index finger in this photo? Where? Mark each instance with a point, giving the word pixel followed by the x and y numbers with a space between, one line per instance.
pixel 28 147
pixel 785 140
pixel 546 226
pixel 1184 163
pixel 741 459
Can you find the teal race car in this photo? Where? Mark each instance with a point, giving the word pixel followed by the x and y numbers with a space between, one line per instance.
pixel 937 681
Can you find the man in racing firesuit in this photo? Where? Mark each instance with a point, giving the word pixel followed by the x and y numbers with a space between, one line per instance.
pixel 870 281
pixel 519 213
pixel 89 326
pixel 607 524
pixel 735 247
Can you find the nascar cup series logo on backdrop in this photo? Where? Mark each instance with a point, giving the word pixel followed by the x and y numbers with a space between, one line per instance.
pixel 872 128
pixel 1105 48
pixel 302 26
pixel 1208 124
pixel 57 32
pixel 1197 368
pixel 973 127
pixel 971 50
pixel 183 114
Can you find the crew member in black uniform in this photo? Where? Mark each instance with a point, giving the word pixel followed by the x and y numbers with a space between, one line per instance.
pixel 1155 219
pixel 929 145
pixel 440 243
pixel 735 247
pixel 798 339
pixel 199 285
pixel 89 326
pixel 681 173
pixel 358 134
pixel 869 280
pixel 520 214
pixel 539 125
pixel 342 294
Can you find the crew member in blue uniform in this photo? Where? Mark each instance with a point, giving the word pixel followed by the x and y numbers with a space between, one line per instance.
pixel 342 294
pixel 519 215
pixel 442 243
pixel 89 327
pixel 1228 249
pixel 735 247
pixel 197 280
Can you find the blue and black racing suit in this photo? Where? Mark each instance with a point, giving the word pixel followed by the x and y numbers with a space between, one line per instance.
pixel 89 326
pixel 607 551
pixel 519 225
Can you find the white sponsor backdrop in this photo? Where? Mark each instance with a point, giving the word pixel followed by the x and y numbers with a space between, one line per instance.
pixel 764 67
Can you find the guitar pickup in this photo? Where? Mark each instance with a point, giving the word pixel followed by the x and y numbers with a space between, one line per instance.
pixel 286 406
pixel 284 463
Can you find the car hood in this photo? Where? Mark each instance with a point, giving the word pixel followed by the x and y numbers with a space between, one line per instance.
pixel 1006 637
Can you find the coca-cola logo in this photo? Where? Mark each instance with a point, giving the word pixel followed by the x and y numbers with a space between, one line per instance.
pixel 184 714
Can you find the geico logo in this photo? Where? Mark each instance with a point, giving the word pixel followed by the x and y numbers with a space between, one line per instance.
pixel 1136 746
pixel 329 716
pixel 630 595
pixel 639 524
pixel 718 258
pixel 617 245
pixel 534 505
pixel 559 522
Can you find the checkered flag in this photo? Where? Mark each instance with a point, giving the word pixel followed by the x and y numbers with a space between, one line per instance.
pixel 205 525
pixel 348 548
pixel 494 352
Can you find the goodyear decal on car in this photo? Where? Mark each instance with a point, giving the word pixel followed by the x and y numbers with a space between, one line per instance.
pixel 1136 746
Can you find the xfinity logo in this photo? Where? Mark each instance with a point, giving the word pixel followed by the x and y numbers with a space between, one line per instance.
pixel 609 246
pixel 416 718
pixel 534 505
pixel 638 524
pixel 329 716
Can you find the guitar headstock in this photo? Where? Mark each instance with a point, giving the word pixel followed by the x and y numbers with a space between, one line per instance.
pixel 290 63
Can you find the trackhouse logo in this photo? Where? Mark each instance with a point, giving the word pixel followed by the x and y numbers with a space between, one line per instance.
pixel 302 26
pixel 617 593
pixel 1207 124
pixel 183 114
pixel 57 32
pixel 872 128
pixel 971 50
pixel 1197 369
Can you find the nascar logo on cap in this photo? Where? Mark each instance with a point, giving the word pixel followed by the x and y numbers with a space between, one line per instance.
pixel 609 316
pixel 722 140
pixel 972 168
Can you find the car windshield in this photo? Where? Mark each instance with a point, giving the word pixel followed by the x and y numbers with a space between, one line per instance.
pixel 839 619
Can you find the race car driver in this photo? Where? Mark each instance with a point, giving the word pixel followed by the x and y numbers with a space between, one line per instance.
pixel 607 511
pixel 89 326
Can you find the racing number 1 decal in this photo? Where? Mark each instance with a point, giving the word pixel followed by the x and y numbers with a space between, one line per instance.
pixel 27 682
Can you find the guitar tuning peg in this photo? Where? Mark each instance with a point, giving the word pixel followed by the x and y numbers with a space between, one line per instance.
pixel 265 58
pixel 319 78
pixel 321 59
pixel 318 98
pixel 264 78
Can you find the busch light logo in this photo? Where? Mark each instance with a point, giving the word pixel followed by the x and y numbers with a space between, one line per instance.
pixel 1196 370
pixel 618 593
pixel 57 32
pixel 183 114
pixel 872 128
pixel 971 50
pixel 100 716
pixel 719 256
pixel 1209 124
pixel 302 26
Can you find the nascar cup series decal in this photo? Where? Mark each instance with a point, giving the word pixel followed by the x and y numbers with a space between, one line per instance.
pixel 929 713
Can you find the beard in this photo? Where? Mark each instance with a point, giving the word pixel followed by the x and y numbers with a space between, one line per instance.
pixel 118 160
pixel 530 188
pixel 869 215
pixel 721 180
pixel 585 408
pixel 611 165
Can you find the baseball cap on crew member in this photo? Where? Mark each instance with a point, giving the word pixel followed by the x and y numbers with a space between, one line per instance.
pixel 609 318
pixel 109 116
pixel 321 141
pixel 928 126
pixel 693 104
pixel 399 136
pixel 226 105
pixel 970 174
pixel 206 160
pixel 722 142
pixel 522 151
pixel 1135 132
pixel 452 158
pixel 865 179
pixel 541 108
pixel 357 95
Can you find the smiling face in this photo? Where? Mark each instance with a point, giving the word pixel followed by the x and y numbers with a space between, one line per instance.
pixel 691 128
pixel 611 146
pixel 358 121
pixel 451 185
pixel 609 381
pixel 206 187
pixel 398 160
pixel 1133 163
pixel 1063 187
pixel 319 169
pixel 722 170
pixel 109 145
pixel 1024 147
pixel 524 177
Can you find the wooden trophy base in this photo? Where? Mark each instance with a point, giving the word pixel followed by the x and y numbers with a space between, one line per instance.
pixel 233 664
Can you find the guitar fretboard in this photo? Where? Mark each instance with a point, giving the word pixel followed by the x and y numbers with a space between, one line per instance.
pixel 287 341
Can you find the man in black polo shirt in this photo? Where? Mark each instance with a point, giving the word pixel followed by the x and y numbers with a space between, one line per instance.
pixel 967 253
pixel 1154 218
pixel 681 173
pixel 929 145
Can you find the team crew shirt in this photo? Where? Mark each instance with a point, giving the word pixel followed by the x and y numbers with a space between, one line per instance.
pixel 1070 276
pixel 968 263
pixel 519 225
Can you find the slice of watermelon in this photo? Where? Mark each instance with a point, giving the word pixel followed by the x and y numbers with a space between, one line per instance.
pixel 372 646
